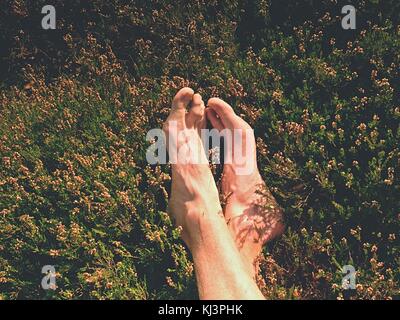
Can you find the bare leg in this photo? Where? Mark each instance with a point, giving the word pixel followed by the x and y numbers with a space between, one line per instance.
pixel 194 204
pixel 251 211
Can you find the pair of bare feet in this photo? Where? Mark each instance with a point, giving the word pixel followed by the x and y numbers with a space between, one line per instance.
pixel 250 216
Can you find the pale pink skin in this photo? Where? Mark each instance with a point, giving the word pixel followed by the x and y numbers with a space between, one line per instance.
pixel 251 211
pixel 224 243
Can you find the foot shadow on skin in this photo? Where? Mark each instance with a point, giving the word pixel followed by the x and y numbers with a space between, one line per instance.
pixel 262 222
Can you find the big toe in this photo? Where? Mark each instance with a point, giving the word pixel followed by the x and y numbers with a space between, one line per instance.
pixel 195 118
pixel 176 118
pixel 224 111
pixel 182 100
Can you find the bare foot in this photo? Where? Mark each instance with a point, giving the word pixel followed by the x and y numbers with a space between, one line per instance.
pixel 194 193
pixel 252 214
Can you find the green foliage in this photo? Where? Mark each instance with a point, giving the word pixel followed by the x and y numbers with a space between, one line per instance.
pixel 76 104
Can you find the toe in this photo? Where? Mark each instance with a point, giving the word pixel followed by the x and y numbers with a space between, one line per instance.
pixel 195 117
pixel 223 110
pixel 214 119
pixel 181 101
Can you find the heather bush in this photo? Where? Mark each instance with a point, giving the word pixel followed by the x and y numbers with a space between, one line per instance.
pixel 76 103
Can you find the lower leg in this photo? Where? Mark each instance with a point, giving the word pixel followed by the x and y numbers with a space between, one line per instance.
pixel 220 271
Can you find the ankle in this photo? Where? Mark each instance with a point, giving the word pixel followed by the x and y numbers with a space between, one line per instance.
pixel 199 222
